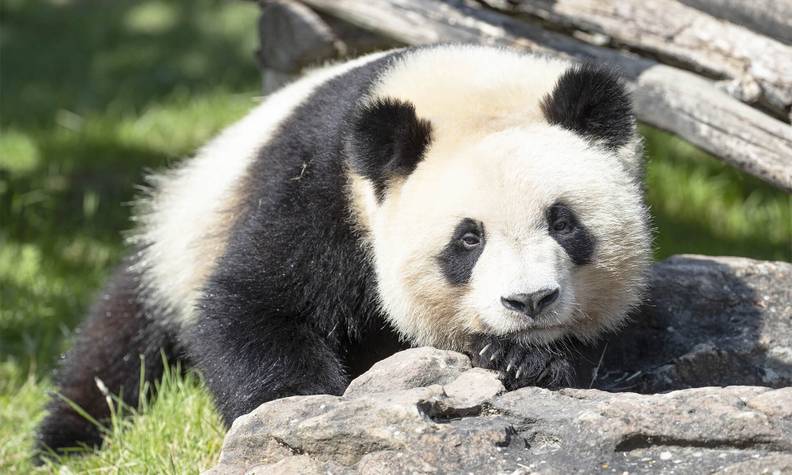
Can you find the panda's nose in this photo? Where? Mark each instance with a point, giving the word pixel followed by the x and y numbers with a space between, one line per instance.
pixel 531 304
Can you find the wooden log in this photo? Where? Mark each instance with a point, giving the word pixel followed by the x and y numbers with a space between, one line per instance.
pixel 689 106
pixel 772 18
pixel 293 37
pixel 666 97
pixel 355 40
pixel 760 67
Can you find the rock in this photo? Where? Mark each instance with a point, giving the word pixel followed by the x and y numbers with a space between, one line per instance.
pixel 694 430
pixel 531 430
pixel 412 368
pixel 772 464
pixel 708 322
pixel 777 404
pixel 474 388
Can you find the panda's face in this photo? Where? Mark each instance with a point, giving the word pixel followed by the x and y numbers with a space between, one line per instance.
pixel 505 204
pixel 528 232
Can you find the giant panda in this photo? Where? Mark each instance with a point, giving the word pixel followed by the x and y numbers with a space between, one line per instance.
pixel 466 197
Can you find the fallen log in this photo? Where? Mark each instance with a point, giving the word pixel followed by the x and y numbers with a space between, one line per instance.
pixel 769 17
pixel 759 68
pixel 293 37
pixel 666 97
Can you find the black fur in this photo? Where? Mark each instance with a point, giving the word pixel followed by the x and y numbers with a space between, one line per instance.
pixel 456 260
pixel 592 102
pixel 524 365
pixel 292 299
pixel 575 238
pixel 109 346
pixel 290 308
pixel 387 140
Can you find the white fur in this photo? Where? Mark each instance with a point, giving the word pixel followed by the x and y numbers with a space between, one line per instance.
pixel 468 91
pixel 494 158
pixel 185 220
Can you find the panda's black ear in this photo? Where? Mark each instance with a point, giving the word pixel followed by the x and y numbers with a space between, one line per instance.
pixel 386 140
pixel 592 102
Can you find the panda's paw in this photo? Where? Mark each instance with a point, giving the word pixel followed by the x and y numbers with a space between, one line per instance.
pixel 521 365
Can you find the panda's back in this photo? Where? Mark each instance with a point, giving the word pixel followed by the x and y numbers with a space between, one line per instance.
pixel 185 220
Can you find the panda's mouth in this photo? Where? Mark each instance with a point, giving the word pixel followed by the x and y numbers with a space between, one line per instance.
pixel 545 329
pixel 533 326
pixel 540 334
pixel 557 326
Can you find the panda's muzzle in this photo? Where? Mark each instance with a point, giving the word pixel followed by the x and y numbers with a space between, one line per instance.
pixel 531 304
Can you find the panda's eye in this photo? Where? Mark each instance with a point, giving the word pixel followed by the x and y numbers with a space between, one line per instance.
pixel 561 220
pixel 562 225
pixel 470 240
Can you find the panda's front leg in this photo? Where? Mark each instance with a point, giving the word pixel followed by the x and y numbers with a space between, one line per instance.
pixel 248 357
pixel 522 365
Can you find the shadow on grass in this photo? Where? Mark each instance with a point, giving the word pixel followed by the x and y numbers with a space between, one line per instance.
pixel 72 73
pixel 100 56
pixel 59 210
pixel 679 235
pixel 702 206
pixel 76 238
pixel 28 338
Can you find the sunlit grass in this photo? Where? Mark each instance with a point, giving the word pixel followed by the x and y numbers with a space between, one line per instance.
pixel 69 214
pixel 93 93
pixel 179 433
pixel 21 403
pixel 701 205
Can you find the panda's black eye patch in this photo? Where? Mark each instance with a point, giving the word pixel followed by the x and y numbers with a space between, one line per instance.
pixel 565 227
pixel 460 254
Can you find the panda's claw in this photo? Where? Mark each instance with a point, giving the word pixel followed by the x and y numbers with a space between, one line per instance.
pixel 519 364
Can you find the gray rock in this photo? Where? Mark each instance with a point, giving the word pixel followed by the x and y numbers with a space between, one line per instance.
pixel 412 368
pixel 771 464
pixel 709 321
pixel 689 431
pixel 474 388
pixel 531 430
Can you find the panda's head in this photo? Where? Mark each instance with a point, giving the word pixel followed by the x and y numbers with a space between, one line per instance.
pixel 499 207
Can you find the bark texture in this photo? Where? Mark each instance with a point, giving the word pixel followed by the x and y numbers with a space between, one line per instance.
pixel 692 106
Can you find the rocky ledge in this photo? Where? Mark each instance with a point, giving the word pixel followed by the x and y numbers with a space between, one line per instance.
pixel 706 361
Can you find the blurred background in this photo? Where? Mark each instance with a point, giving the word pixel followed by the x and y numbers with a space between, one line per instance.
pixel 95 93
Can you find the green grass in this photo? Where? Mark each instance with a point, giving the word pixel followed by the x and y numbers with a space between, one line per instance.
pixel 700 205
pixel 179 432
pixel 93 93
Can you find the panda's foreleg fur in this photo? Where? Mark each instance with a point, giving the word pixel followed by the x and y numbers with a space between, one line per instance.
pixel 249 357
pixel 106 357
